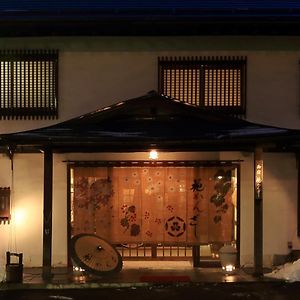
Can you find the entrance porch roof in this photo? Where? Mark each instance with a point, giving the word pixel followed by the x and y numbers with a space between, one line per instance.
pixel 153 121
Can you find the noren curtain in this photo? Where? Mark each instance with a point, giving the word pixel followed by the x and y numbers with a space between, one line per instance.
pixel 154 204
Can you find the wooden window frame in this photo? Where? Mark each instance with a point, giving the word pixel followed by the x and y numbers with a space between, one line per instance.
pixel 5 205
pixel 28 84
pixel 202 81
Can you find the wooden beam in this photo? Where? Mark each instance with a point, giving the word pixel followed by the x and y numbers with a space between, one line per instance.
pixel 258 212
pixel 47 214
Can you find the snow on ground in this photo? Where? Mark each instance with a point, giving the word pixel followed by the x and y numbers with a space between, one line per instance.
pixel 2 273
pixel 289 272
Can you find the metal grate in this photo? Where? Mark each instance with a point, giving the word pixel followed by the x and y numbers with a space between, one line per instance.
pixel 28 84
pixel 212 83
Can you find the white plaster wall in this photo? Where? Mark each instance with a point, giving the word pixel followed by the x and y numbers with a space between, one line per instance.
pixel 280 202
pixel 96 72
pixel 246 211
pixel 5 229
pixel 279 205
pixel 59 221
pixel 273 88
pixel 24 233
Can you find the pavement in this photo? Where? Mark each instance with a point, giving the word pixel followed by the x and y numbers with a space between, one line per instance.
pixel 133 274
pixel 149 280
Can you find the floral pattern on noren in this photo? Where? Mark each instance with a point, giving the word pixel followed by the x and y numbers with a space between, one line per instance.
pixel 149 203
pixel 81 187
pixel 147 215
pixel 149 233
pixel 170 208
pixel 222 188
pixel 101 191
pixel 129 220
pixel 158 221
pixel 96 193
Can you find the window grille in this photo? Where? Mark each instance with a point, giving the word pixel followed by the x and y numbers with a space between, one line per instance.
pixel 212 83
pixel 4 204
pixel 28 84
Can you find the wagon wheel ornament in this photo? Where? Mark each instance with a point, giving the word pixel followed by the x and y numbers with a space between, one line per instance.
pixel 95 255
pixel 175 226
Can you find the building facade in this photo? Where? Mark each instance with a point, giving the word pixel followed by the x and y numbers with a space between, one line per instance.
pixel 90 73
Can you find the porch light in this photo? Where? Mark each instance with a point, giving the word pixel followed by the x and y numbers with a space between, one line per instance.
pixel 228 268
pixel 78 269
pixel 219 175
pixel 153 154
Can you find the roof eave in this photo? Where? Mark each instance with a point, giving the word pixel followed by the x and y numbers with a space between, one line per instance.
pixel 148 27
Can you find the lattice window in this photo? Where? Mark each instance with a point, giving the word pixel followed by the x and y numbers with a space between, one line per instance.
pixel 213 83
pixel 28 84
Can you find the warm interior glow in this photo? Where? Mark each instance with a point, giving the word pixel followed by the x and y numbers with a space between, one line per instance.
pixel 153 154
pixel 228 268
pixel 19 216
pixel 77 269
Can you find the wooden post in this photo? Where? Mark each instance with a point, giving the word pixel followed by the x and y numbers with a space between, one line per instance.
pixel 47 220
pixel 196 256
pixel 258 212
pixel 69 227
pixel 154 251
pixel 298 200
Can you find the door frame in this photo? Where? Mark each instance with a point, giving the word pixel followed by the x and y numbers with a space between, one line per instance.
pixel 207 163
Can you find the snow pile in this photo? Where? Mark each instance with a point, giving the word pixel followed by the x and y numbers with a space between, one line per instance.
pixel 289 272
pixel 2 274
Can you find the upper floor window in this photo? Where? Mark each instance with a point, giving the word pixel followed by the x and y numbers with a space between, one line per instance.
pixel 217 83
pixel 28 84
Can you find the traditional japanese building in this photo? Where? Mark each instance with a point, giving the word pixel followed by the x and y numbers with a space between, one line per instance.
pixel 168 128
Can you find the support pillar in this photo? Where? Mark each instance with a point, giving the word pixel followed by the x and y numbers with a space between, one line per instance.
pixel 298 197
pixel 196 256
pixel 47 214
pixel 258 212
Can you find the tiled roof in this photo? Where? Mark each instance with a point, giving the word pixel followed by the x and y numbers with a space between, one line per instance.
pixel 152 119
